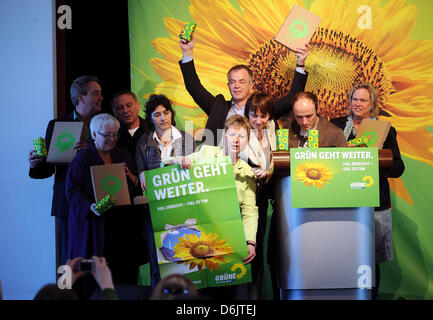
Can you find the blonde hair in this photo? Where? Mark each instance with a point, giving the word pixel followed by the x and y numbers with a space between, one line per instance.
pixel 373 96
pixel 238 121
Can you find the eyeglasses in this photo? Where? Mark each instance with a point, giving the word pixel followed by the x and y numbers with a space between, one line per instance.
pixel 107 135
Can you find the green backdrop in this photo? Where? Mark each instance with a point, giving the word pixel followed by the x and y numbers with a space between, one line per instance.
pixel 389 43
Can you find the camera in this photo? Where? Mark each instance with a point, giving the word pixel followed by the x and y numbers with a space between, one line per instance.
pixel 86 265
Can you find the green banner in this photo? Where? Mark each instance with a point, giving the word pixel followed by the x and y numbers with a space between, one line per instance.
pixel 197 223
pixel 334 177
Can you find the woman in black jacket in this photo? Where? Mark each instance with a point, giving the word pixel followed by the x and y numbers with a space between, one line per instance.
pixel 363 105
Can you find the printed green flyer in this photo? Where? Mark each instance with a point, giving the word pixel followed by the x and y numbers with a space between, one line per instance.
pixel 197 223
pixel 334 177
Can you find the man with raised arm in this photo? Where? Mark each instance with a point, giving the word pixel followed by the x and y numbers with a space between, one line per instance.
pixel 240 83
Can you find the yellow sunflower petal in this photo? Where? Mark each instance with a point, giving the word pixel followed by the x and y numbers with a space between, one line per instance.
pixel 174 27
pixel 417 145
pixel 177 94
pixel 165 69
pixel 211 265
pixel 393 31
pixel 225 31
pixel 331 15
pixel 398 187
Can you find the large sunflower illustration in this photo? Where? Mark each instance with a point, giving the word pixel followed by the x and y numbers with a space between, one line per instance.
pixel 313 174
pixel 341 54
pixel 206 250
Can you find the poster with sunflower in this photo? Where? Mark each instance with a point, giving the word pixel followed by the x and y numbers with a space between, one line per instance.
pixel 334 177
pixel 388 43
pixel 197 223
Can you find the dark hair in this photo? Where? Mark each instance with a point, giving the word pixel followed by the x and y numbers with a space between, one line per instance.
pixel 120 93
pixel 174 287
pixel 52 292
pixel 81 86
pixel 240 67
pixel 154 101
pixel 307 95
pixel 262 102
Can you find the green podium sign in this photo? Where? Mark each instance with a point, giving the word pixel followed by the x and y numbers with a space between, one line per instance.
pixel 334 177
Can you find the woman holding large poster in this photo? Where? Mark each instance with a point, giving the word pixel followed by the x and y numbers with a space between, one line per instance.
pixel 236 135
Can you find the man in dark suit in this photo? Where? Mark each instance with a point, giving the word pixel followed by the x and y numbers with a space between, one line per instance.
pixel 240 83
pixel 87 99
pixel 125 108
pixel 305 117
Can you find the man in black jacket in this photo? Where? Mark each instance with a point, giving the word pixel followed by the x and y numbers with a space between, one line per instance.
pixel 87 98
pixel 125 108
pixel 240 84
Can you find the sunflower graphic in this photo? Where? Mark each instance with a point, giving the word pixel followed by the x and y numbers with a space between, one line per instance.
pixel 313 174
pixel 342 53
pixel 241 267
pixel 206 250
pixel 370 181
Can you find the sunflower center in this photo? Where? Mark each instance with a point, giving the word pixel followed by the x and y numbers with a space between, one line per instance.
pixel 313 174
pixel 201 250
pixel 335 63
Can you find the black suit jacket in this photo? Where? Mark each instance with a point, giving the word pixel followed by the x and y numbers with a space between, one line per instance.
pixel 217 108
pixel 59 206
pixel 128 142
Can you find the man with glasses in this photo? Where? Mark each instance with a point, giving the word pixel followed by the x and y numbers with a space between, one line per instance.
pixel 87 98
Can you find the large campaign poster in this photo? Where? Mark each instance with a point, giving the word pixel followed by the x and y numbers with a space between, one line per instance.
pixel 197 223
pixel 334 177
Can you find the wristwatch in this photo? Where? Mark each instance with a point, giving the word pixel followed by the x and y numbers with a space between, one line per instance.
pixel 251 243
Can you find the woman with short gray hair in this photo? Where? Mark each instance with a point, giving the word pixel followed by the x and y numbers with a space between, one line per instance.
pixel 86 228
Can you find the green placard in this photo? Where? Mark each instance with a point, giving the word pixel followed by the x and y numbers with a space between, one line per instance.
pixel 197 223
pixel 334 177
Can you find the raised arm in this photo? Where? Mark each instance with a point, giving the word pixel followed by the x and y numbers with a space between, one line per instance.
pixel 284 104
pixel 204 99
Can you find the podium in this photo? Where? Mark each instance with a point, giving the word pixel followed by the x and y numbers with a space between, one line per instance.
pixel 322 253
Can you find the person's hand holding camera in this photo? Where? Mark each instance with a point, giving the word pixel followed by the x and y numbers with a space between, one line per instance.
pixel 76 271
pixel 102 273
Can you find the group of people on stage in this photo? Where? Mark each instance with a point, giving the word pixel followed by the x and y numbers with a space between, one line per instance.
pixel 243 128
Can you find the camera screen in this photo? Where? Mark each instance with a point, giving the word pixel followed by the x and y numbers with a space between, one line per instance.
pixel 86 266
